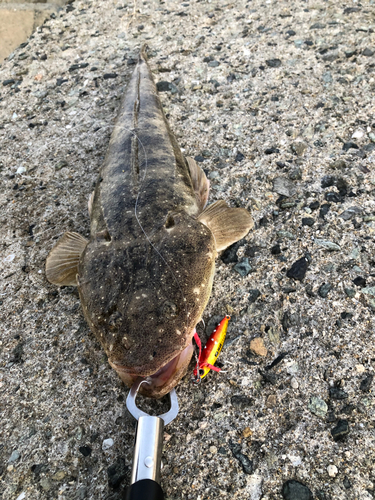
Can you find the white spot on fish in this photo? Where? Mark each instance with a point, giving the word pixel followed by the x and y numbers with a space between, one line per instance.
pixel 196 290
pixel 178 332
pixel 144 295
pixel 111 347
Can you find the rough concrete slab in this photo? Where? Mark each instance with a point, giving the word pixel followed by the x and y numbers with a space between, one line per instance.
pixel 264 90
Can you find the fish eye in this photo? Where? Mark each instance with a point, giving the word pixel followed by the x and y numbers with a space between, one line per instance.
pixel 169 309
pixel 169 223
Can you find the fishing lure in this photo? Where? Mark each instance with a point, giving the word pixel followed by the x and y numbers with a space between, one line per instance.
pixel 208 356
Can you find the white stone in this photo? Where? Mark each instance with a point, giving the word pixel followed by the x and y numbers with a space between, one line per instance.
pixel 295 459
pixel 358 134
pixel 213 450
pixel 10 257
pixel 107 443
pixel 332 470
pixel 360 368
pixel 294 383
pixel 21 170
pixel 254 487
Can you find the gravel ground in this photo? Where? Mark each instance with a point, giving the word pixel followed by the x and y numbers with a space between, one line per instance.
pixel 275 99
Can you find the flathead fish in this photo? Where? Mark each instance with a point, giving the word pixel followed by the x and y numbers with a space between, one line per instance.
pixel 145 275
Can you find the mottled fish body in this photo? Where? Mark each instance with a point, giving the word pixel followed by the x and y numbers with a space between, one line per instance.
pixel 145 275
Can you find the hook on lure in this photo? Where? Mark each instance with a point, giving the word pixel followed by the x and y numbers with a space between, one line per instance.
pixel 208 356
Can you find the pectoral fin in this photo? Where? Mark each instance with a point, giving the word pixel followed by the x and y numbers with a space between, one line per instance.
pixel 63 259
pixel 228 225
pixel 200 182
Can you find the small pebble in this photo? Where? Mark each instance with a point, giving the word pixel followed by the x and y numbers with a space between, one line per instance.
pixel 308 221
pixel 294 383
pixel 253 295
pixel 328 245
pixel 332 470
pixel 324 290
pixel 247 432
pixel 299 147
pixel 318 406
pixel 213 450
pixel 298 269
pixel 340 430
pixel 284 186
pixel 257 347
pixel 14 456
pixel 294 490
pixel 243 268
pixel 366 383
pixel 107 443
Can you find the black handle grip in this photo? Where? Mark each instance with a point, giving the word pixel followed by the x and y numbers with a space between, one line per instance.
pixel 145 489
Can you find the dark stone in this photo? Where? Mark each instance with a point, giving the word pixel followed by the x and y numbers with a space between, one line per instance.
pixel 340 430
pixel 269 378
pixel 243 268
pixel 359 281
pixel 163 86
pixel 328 181
pixel 263 222
pixel 309 291
pixel 213 64
pixel 324 290
pixel 290 32
pixel 333 197
pixel 239 157
pixel 108 76
pixel 369 147
pixel 287 321
pixel 314 205
pixel 270 151
pixel 298 269
pixel 324 209
pixel 337 393
pixel 230 254
pixel 85 450
pixel 294 490
pixel 60 81
pixel 308 221
pixel 247 464
pixel 199 159
pixel 317 26
pixel 17 353
pixel 351 10
pixel 117 473
pixel 366 383
pixel 277 360
pixel 346 483
pixel 273 63
pixel 9 82
pixel 253 295
pixel 37 469
pixel 276 250
pixel 251 251
pixel 241 402
pixel 346 315
pixel 349 145
pixel 368 52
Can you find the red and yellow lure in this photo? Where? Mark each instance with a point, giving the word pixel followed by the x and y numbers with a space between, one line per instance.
pixel 207 358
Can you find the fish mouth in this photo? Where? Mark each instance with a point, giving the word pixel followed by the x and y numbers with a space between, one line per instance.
pixel 163 380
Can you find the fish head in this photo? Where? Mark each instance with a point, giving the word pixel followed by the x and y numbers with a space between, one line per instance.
pixel 143 297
